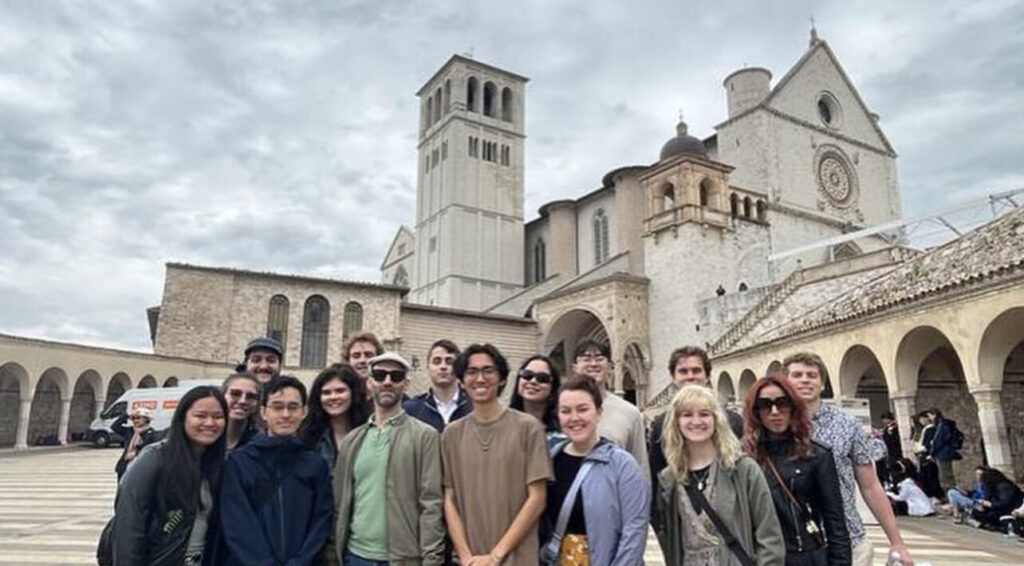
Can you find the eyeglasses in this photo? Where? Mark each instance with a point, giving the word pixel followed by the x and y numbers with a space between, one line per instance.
pixel 535 376
pixel 489 371
pixel 396 375
pixel 592 358
pixel 764 404
pixel 285 407
pixel 248 395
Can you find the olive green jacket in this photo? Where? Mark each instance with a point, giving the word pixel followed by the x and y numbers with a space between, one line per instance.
pixel 414 494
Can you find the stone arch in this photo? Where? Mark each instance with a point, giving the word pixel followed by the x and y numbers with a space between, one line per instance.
pixel 147 381
pixel 666 197
pixel 861 376
pixel 118 384
pixel 747 379
pixel 84 406
pixel 1001 337
pixel 634 371
pixel 472 94
pixel 13 385
pixel 171 381
pixel 506 104
pixel 774 368
pixel 734 205
pixel 747 204
pixel 914 347
pixel 489 99
pixel 1001 371
pixel 45 415
pixel 726 391
pixel 569 329
pixel 706 190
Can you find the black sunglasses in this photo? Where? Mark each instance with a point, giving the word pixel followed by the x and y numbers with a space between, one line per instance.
pixel 765 404
pixel 379 375
pixel 537 376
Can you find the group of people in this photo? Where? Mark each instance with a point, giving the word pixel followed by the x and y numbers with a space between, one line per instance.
pixel 356 472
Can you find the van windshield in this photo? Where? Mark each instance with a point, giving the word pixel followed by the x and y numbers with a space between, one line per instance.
pixel 115 410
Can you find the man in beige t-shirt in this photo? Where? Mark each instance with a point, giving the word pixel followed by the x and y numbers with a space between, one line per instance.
pixel 496 469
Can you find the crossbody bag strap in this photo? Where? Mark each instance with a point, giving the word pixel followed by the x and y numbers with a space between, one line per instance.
pixel 697 498
pixel 569 501
pixel 799 508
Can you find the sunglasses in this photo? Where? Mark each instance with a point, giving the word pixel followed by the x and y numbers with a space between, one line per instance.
pixel 765 404
pixel 396 375
pixel 238 394
pixel 536 376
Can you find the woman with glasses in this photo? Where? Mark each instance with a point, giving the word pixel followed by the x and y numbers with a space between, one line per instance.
pixel 535 393
pixel 801 475
pixel 135 429
pixel 711 492
pixel 242 392
pixel 164 506
pixel 337 404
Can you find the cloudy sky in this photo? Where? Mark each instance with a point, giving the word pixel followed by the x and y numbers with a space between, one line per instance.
pixel 281 135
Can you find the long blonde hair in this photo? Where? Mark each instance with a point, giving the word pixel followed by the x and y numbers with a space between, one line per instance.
pixel 697 397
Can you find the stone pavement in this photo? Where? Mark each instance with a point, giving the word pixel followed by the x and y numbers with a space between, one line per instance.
pixel 54 503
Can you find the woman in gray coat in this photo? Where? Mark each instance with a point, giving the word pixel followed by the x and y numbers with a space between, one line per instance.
pixel 706 466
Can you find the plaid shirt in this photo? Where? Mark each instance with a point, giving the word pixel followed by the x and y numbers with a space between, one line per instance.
pixel 850 447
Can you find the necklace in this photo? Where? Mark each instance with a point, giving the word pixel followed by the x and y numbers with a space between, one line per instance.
pixel 701 476
pixel 485 444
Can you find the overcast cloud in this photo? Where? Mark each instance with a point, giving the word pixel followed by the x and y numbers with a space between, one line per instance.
pixel 280 136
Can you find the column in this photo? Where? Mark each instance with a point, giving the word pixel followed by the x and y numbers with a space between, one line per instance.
pixel 100 405
pixel 993 428
pixel 21 439
pixel 905 405
pixel 65 417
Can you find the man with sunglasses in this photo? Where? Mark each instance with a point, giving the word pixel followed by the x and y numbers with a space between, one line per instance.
pixel 445 401
pixel 393 462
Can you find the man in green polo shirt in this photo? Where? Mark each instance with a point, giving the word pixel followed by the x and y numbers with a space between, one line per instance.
pixel 393 462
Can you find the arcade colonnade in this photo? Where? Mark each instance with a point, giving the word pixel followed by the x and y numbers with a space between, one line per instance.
pixel 963 355
pixel 51 391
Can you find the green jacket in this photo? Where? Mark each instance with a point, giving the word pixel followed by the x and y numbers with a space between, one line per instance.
pixel 414 502
pixel 743 501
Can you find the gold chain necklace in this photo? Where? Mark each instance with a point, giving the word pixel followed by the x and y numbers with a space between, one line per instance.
pixel 485 444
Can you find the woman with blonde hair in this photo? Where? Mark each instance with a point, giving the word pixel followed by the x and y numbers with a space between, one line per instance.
pixel 717 509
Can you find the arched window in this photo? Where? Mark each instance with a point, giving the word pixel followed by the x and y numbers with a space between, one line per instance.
pixel 277 319
pixel 430 111
pixel 601 244
pixel 746 207
pixel 437 105
pixel 506 104
pixel 353 320
pixel 472 86
pixel 667 197
pixel 705 192
pixel 734 205
pixel 489 98
pixel 316 318
pixel 447 96
pixel 539 261
pixel 401 277
pixel 762 209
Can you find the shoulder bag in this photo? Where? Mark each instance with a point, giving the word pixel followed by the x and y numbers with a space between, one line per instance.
pixel 700 502
pixel 549 554
pixel 818 556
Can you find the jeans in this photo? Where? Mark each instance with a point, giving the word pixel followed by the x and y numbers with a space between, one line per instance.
pixel 959 500
pixel 354 560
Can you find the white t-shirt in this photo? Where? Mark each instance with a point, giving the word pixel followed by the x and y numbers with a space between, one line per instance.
pixel 918 504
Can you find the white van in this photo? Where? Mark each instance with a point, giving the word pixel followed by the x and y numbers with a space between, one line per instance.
pixel 161 401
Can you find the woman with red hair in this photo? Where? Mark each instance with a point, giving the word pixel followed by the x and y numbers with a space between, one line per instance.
pixel 801 475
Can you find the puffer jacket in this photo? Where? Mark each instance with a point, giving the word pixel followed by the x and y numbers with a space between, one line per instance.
pixel 813 481
pixel 147 527
pixel 276 503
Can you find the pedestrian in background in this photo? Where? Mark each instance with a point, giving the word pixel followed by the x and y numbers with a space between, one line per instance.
pixel 135 429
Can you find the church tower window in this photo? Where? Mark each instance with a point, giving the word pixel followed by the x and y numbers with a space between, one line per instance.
pixel 489 95
pixel 705 192
pixel 277 319
pixel 472 86
pixel 761 210
pixel 747 203
pixel 447 96
pixel 734 205
pixel 354 318
pixel 430 111
pixel 668 197
pixel 506 104
pixel 437 105
pixel 539 261
pixel 316 317
pixel 601 243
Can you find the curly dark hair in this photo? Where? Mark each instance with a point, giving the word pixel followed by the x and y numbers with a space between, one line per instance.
pixel 755 432
pixel 462 362
pixel 317 421
pixel 550 420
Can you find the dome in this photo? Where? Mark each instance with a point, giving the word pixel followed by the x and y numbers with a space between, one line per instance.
pixel 683 144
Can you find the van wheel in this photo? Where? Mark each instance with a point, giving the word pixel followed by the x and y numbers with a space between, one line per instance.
pixel 101 440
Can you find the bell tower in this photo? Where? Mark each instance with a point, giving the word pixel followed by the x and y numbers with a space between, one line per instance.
pixel 469 197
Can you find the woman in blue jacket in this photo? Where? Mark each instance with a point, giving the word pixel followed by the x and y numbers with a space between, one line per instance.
pixel 605 522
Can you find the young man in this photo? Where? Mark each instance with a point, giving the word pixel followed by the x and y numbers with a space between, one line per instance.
pixel 942 449
pixel 263 358
pixel 275 497
pixel 359 350
pixel 446 401
pixel 620 422
pixel 851 450
pixel 391 463
pixel 496 469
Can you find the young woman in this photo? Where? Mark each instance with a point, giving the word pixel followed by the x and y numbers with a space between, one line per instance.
pixel 1003 497
pixel 605 520
pixel 535 393
pixel 707 470
pixel 928 469
pixel 242 392
pixel 906 495
pixel 337 404
pixel 164 506
pixel 801 475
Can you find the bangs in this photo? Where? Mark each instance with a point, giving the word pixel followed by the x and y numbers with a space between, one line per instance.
pixel 695 398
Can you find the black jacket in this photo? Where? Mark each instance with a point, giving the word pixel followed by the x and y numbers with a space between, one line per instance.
pixel 424 408
pixel 125 431
pixel 1004 498
pixel 815 484
pixel 148 528
pixel 276 503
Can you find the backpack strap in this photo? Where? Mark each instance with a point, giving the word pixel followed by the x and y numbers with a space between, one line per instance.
pixel 701 502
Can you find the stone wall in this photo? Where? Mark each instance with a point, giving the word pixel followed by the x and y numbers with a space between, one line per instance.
pixel 10 396
pixel 44 419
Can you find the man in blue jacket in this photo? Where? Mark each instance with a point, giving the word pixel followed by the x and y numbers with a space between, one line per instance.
pixel 943 449
pixel 276 503
pixel 445 402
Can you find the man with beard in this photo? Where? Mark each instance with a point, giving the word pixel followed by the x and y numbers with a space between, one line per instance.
pixel 445 401
pixel 264 358
pixel 393 462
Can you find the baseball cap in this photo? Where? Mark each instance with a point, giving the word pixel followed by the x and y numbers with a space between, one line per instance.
pixel 265 343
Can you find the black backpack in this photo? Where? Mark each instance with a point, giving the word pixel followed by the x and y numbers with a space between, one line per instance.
pixel 956 438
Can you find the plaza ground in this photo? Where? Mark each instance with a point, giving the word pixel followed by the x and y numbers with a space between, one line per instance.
pixel 54 503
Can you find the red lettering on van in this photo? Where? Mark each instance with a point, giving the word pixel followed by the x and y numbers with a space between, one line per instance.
pixel 171 404
pixel 151 405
